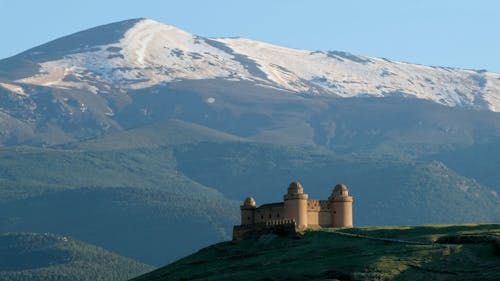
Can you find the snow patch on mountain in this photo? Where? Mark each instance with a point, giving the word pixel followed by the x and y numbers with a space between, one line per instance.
pixel 13 88
pixel 348 75
pixel 149 53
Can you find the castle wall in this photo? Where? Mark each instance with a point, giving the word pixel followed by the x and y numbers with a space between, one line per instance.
pixel 325 218
pixel 312 218
pixel 279 227
pixel 269 212
pixel 318 213
pixel 313 208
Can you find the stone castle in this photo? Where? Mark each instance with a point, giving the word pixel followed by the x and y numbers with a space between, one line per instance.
pixel 297 211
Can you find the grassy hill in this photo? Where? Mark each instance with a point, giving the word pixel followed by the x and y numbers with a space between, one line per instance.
pixel 48 257
pixel 372 253
pixel 170 132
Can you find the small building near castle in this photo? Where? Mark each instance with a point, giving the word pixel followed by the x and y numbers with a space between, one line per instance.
pixel 296 212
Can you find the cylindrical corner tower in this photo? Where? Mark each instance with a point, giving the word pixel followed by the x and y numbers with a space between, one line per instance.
pixel 295 205
pixel 341 207
pixel 248 211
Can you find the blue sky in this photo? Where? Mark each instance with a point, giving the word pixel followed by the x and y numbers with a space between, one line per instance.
pixel 440 32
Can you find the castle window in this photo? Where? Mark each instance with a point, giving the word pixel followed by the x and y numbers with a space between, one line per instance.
pixel 278 215
pixel 248 218
pixel 270 216
pixel 262 217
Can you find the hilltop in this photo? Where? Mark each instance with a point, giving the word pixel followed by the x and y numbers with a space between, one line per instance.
pixel 464 252
pixel 49 257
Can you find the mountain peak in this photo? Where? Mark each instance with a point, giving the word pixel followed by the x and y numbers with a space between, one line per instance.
pixel 147 39
pixel 153 22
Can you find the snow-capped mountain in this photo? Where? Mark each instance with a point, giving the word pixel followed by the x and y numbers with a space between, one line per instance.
pixel 150 53
pixel 136 72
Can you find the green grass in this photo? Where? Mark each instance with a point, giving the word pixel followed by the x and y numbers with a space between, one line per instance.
pixel 425 233
pixel 322 255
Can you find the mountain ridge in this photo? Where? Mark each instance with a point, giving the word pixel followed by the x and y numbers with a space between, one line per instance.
pixel 149 53
pixel 137 72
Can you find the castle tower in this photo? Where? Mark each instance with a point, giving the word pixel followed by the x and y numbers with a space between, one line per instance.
pixel 248 211
pixel 341 206
pixel 295 205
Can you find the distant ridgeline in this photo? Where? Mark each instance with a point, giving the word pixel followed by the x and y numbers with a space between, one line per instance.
pixel 297 212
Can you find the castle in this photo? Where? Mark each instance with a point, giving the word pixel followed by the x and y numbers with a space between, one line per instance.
pixel 297 211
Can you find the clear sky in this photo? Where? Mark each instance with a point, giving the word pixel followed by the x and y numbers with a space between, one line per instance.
pixel 455 33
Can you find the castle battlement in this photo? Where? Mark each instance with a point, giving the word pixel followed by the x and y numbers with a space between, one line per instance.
pixel 280 222
pixel 296 211
pixel 317 205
